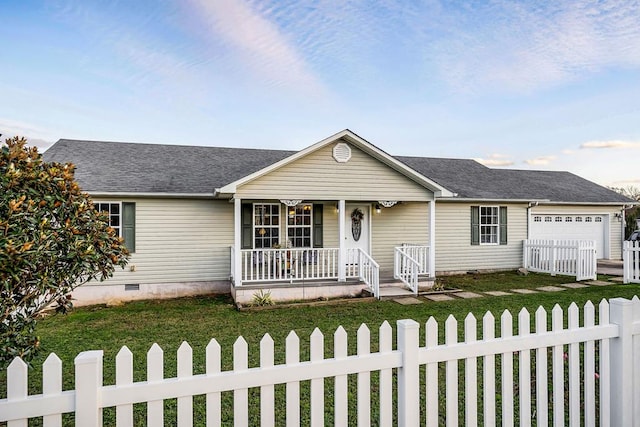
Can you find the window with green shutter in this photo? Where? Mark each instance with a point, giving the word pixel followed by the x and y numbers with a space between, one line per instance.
pixel 488 225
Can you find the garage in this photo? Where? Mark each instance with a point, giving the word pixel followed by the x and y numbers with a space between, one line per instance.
pixel 571 227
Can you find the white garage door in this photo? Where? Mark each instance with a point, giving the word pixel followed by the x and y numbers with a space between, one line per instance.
pixel 572 227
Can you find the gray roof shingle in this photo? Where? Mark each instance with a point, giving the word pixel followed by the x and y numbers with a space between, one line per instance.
pixel 114 167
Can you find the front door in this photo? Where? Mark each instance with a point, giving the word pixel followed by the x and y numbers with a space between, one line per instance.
pixel 357 226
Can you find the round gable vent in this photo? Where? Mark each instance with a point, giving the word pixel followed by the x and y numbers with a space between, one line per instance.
pixel 341 152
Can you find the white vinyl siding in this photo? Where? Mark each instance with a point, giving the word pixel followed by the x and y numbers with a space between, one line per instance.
pixel 403 223
pixel 591 214
pixel 318 176
pixel 454 252
pixel 178 240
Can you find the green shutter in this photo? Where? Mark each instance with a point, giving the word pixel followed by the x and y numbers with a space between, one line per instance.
pixel 129 225
pixel 503 225
pixel 317 225
pixel 475 225
pixel 247 226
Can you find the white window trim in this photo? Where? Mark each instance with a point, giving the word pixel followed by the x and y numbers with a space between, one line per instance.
pixel 310 226
pixel 497 225
pixel 253 220
pixel 119 203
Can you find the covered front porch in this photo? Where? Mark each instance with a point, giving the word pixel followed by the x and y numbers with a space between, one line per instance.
pixel 309 249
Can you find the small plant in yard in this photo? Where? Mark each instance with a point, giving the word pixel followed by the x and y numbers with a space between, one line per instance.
pixel 439 285
pixel 262 298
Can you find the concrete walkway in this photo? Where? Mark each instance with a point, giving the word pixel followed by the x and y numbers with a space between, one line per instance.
pixel 410 299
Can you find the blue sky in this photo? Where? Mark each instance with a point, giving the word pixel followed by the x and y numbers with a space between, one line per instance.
pixel 548 85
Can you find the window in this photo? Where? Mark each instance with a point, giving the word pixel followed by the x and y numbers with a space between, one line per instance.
pixel 547 219
pixel 299 220
pixel 588 219
pixel 113 210
pixel 558 219
pixel 568 219
pixel 537 219
pixel 266 225
pixel 578 219
pixel 488 225
pixel 598 219
pixel 122 218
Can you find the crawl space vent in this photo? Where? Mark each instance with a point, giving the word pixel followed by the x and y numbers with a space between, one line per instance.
pixel 341 152
pixel 132 287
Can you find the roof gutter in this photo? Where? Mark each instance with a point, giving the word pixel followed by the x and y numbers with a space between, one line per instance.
pixel 152 195
pixel 475 199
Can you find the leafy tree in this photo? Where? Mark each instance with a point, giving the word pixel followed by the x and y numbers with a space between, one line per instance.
pixel 632 214
pixel 51 241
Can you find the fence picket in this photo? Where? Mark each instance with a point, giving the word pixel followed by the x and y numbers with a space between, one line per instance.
pixel 340 346
pixel 155 373
pixel 542 400
pixel 267 392
pixel 574 370
pixel 124 376
pixel 292 357
pixel 364 378
pixel 451 337
pixel 240 395
pixel 52 386
pixel 17 386
pixel 558 369
pixel 471 374
pixel 605 372
pixel 214 407
pixel 185 370
pixel 506 331
pixel 386 385
pixel 636 350
pixel 589 370
pixel 317 384
pixel 524 370
pixel 431 335
pixel 489 372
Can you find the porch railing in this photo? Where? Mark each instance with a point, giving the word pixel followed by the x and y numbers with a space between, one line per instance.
pixel 420 253
pixel 406 268
pixel 260 265
pixel 366 269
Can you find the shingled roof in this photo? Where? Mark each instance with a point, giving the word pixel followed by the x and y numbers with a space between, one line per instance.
pixel 115 167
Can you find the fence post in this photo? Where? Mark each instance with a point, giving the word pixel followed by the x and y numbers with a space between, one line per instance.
pixel 621 363
pixel 408 374
pixel 552 257
pixel 88 388
pixel 626 264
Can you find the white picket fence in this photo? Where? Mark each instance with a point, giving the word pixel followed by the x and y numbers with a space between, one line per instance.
pixel 631 262
pixel 575 375
pixel 566 257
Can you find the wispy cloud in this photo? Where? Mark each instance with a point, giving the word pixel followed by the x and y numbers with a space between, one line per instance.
pixel 540 161
pixel 238 27
pixel 495 159
pixel 528 45
pixel 611 144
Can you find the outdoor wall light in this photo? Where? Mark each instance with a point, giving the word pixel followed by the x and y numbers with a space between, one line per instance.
pixel 378 208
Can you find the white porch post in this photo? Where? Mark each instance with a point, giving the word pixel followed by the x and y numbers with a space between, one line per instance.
pixel 432 238
pixel 237 241
pixel 342 251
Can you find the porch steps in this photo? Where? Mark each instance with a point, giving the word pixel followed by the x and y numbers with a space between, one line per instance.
pixel 391 288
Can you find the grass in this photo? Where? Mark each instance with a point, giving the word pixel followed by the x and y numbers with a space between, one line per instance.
pixel 196 320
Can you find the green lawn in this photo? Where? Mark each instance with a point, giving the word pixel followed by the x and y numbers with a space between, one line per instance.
pixel 139 324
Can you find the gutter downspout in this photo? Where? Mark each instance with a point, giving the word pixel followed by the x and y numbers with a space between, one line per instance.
pixel 531 205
